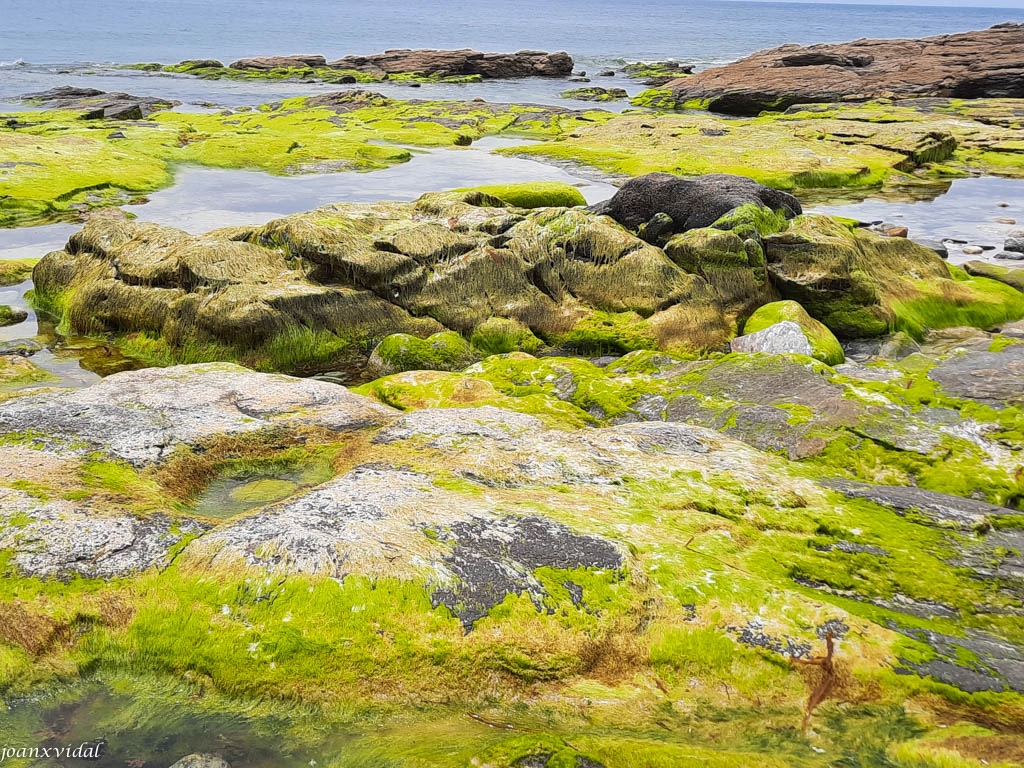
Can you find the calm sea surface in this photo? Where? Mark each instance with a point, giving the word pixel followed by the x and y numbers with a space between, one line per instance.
pixel 58 32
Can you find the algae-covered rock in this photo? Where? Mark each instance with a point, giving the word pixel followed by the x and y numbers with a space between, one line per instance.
pixel 860 284
pixel 446 351
pixel 1012 276
pixel 14 271
pixel 534 194
pixel 822 344
pixel 16 370
pixel 568 542
pixel 11 316
pixel 498 335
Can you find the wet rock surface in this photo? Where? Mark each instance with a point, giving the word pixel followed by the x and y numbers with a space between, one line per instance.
pixel 463 62
pixel 946 65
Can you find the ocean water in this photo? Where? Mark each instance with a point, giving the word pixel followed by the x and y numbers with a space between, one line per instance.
pixel 61 32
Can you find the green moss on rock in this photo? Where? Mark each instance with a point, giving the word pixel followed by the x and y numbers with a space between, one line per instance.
pixel 825 346
pixel 533 194
pixel 446 351
pixel 499 335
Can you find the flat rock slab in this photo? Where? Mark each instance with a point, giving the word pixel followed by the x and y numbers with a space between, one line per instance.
pixel 63 540
pixel 992 378
pixel 140 416
pixel 940 508
pixel 971 65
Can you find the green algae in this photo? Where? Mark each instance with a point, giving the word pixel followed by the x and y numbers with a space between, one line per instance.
pixel 61 166
pixel 445 351
pixel 499 335
pixel 14 271
pixel 536 194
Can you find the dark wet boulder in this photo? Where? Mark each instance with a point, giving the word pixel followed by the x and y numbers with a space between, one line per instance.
pixel 691 202
pixel 462 62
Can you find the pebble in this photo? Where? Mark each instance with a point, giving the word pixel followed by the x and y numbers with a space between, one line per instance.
pixel 897 232
pixel 1005 220
pixel 954 241
pixel 973 250
pixel 1015 244
pixel 1009 256
pixel 1002 204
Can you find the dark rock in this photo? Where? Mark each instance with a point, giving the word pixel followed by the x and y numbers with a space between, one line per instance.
pixel 939 508
pixel 462 62
pixel 936 245
pixel 606 73
pixel 23 347
pixel 942 66
pixel 1009 255
pixel 999 664
pixel 494 559
pixel 1014 244
pixel 691 202
pixel 97 105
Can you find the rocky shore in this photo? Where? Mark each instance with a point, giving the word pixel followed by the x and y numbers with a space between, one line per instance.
pixel 493 477
pixel 972 65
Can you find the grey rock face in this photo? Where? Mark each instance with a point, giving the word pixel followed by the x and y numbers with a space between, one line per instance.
pixel 993 378
pixel 691 202
pixel 942 509
pixel 140 416
pixel 779 339
pixel 63 540
pixel 1014 244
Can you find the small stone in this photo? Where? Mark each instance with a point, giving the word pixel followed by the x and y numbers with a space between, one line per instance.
pixel 897 232
pixel 1015 244
pixel 116 135
pixel 1005 220
pixel 973 250
pixel 606 73
pixel 1009 256
pixel 1002 204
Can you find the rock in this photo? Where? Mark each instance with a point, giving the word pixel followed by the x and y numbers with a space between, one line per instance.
pixel 862 285
pixel 606 73
pixel 299 61
pixel 461 62
pixel 942 509
pixel 21 347
pixel 784 337
pixel 446 351
pixel 942 66
pixel 1003 204
pixel 1009 256
pixel 972 250
pixel 895 346
pixel 897 232
pixel 197 760
pixel 1012 276
pixel 349 275
pixel 16 370
pixel 1014 244
pixel 64 540
pixel 822 344
pixel 1004 220
pixel 936 245
pixel 9 316
pixel 992 378
pixel 657 73
pixel 690 202
pixel 595 94
pixel 141 416
pixel 96 104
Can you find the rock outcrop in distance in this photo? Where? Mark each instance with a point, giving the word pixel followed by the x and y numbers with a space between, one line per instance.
pixel 398 64
pixel 667 263
pixel 970 65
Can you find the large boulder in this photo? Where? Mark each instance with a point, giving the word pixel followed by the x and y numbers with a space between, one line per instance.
pixel 969 65
pixel 691 202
